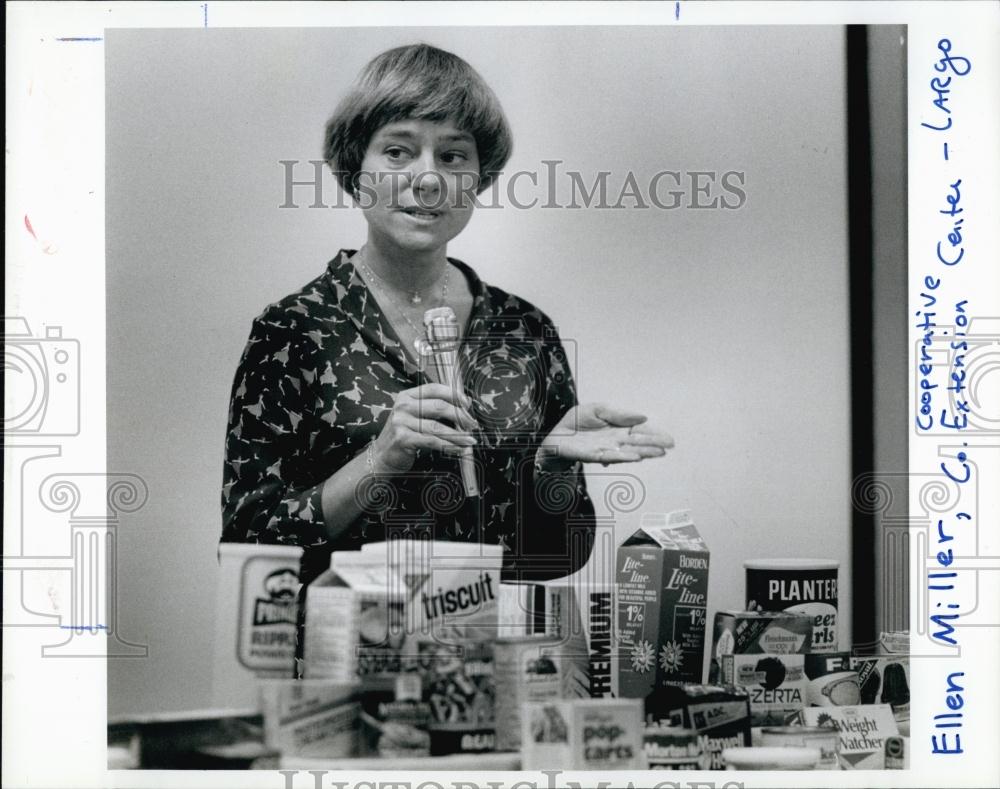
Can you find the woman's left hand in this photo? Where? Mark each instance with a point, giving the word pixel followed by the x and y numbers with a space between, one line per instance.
pixel 597 433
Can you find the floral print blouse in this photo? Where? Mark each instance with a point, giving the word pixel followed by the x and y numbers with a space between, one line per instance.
pixel 316 383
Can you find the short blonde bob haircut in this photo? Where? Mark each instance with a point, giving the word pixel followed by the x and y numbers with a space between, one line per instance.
pixel 416 82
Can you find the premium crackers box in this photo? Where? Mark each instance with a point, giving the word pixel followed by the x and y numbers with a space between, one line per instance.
pixel 662 588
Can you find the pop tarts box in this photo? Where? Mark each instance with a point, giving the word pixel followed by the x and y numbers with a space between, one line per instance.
pixel 662 589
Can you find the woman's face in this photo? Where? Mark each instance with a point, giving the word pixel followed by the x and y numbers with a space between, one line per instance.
pixel 417 184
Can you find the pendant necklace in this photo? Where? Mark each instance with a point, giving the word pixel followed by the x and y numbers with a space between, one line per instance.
pixel 419 344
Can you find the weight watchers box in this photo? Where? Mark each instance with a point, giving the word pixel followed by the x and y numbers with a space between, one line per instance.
pixel 662 587
pixel 255 615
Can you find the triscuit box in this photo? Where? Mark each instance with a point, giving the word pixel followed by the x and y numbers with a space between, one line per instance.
pixel 583 734
pixel 758 632
pixel 777 685
pixel 314 718
pixel 451 607
pixel 863 731
pixel 255 620
pixel 662 580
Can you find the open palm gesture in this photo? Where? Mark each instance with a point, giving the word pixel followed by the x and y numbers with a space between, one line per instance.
pixel 597 433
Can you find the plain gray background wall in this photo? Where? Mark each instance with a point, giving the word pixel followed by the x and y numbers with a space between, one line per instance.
pixel 728 327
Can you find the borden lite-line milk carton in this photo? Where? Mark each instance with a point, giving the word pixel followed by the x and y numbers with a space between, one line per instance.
pixel 662 574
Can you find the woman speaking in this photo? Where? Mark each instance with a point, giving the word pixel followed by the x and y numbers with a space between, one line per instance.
pixel 345 427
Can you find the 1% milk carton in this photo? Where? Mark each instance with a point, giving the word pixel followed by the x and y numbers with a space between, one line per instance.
pixel 662 591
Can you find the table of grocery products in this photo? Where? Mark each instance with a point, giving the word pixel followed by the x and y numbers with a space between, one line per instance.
pixel 416 655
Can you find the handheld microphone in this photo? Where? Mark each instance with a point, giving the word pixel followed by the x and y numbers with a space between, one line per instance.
pixel 441 327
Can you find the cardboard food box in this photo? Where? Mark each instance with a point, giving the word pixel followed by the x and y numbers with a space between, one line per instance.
pixel 756 633
pixel 521 610
pixel 777 685
pixel 396 717
pixel 719 714
pixel 414 606
pixel 884 679
pixel 256 612
pixel 662 588
pixel 583 734
pixel 863 732
pixel 313 718
pixel 451 590
pixel 832 681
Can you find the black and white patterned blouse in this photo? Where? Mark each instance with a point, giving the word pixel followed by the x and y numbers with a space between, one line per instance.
pixel 315 384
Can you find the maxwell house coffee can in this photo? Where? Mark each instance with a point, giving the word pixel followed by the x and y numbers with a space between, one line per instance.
pixel 806 586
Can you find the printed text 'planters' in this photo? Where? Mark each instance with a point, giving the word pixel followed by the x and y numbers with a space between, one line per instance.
pixel 807 586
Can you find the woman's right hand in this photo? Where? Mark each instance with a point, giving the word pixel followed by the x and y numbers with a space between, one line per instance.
pixel 432 417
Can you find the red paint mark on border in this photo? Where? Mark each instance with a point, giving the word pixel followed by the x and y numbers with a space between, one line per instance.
pixel 27 224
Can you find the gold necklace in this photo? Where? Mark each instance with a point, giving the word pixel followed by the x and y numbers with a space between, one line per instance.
pixel 418 342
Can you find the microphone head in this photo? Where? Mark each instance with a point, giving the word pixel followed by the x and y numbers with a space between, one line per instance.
pixel 441 325
pixel 439 314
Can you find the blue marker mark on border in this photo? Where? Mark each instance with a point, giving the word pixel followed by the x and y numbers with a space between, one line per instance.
pixel 677 9
pixel 204 7
pixel 80 38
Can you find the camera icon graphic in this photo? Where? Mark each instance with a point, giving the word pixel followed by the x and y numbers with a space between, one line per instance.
pixel 41 381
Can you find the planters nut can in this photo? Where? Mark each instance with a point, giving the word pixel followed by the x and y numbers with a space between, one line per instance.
pixel 807 586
